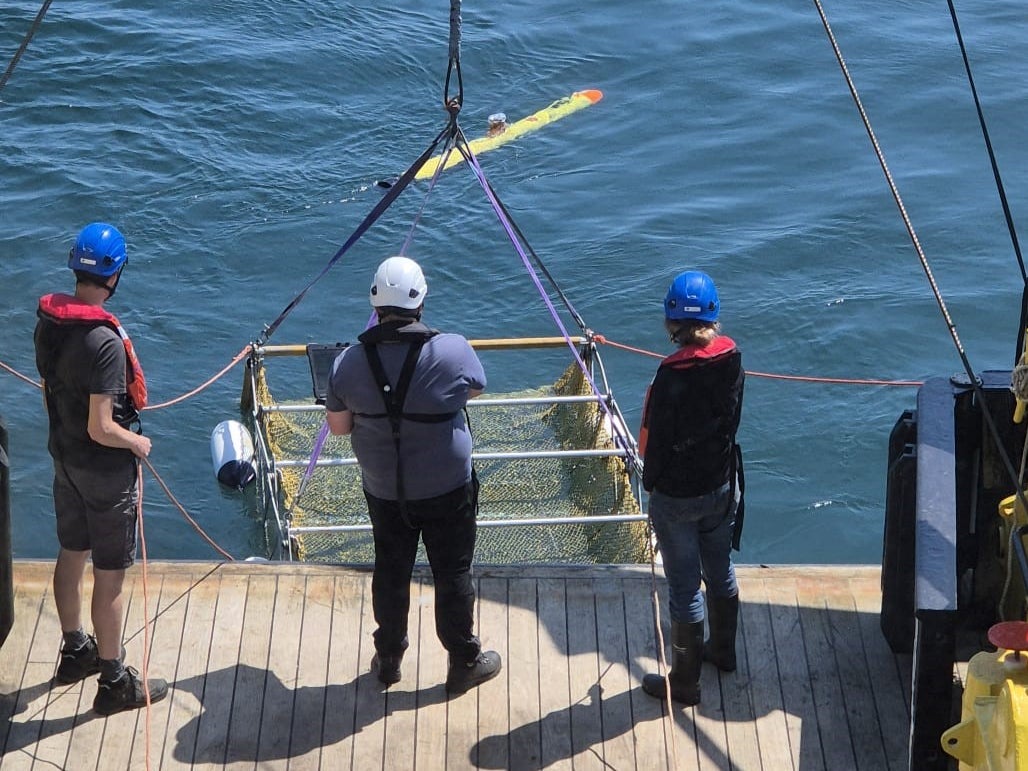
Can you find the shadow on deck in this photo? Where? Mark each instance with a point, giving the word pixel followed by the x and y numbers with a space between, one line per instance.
pixel 269 666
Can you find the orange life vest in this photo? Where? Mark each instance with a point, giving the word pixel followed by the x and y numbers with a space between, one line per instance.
pixel 65 309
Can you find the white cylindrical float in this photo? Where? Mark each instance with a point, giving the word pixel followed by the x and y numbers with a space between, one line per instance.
pixel 232 454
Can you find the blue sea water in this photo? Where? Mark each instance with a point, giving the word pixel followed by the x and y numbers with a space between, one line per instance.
pixel 237 145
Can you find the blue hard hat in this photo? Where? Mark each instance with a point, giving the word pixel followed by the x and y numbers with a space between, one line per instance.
pixel 692 295
pixel 99 249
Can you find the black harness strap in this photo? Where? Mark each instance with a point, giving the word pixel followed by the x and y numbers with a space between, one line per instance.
pixel 738 478
pixel 394 399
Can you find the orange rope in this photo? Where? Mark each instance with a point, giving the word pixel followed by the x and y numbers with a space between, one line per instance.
pixel 146 585
pixel 803 378
pixel 146 606
pixel 236 359
pixel 20 376
pixel 185 514
pixel 597 337
pixel 844 380
pixel 623 347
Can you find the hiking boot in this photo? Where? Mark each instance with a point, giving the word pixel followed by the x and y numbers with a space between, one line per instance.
pixel 463 676
pixel 388 668
pixel 127 692
pixel 78 663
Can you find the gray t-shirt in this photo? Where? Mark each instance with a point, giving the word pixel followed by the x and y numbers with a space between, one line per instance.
pixel 77 360
pixel 436 456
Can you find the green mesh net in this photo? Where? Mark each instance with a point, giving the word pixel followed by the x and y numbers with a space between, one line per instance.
pixel 512 489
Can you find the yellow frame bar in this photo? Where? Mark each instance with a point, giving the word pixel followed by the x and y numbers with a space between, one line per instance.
pixel 486 344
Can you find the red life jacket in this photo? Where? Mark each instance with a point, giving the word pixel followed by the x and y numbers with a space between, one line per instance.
pixel 65 309
pixel 688 355
pixel 685 357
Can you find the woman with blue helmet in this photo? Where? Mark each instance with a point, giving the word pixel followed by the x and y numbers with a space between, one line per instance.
pixel 692 471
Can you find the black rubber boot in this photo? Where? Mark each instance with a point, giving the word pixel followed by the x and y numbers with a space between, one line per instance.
pixel 686 660
pixel 723 614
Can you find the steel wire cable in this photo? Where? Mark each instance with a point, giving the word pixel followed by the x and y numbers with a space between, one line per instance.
pixel 999 182
pixel 24 44
pixel 973 379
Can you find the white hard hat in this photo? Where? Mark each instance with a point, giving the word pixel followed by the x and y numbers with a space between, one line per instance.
pixel 399 283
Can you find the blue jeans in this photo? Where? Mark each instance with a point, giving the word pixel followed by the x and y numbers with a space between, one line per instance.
pixel 694 536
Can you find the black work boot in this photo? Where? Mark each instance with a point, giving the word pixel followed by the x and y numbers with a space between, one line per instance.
pixel 686 660
pixel 723 614
pixel 388 667
pixel 127 692
pixel 78 663
pixel 464 675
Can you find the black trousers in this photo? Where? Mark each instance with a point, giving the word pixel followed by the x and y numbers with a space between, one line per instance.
pixel 446 524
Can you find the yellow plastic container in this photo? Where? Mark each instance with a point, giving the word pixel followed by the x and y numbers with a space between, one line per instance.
pixel 993 731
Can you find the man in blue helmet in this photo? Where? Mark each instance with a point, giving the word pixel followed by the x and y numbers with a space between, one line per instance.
pixel 692 470
pixel 94 388
pixel 401 393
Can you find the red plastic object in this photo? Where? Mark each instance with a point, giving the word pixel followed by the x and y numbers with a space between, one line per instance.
pixel 1010 635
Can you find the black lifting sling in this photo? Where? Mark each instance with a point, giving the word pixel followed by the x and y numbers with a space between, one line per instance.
pixel 394 399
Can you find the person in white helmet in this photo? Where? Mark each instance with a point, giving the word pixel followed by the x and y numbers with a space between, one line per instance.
pixel 400 393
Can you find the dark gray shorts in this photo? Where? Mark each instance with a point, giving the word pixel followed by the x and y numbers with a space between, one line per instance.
pixel 96 510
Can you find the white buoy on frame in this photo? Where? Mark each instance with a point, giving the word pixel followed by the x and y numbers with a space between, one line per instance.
pixel 232 454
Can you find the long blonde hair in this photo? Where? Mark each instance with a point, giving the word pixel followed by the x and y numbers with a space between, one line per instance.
pixel 691 332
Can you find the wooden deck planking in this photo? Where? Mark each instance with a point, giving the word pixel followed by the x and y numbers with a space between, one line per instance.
pixel 583 675
pixel 885 673
pixel 184 704
pixel 246 683
pixel 124 736
pixel 461 711
pixel 270 669
pixel 829 698
pixel 214 685
pixel 794 675
pixel 861 714
pixel 401 700
pixel 431 672
pixel 491 748
pixel 764 678
pixel 554 681
pixel 13 661
pixel 40 667
pixel 523 745
pixel 369 726
pixel 742 747
pixel 312 675
pixel 652 734
pixel 343 669
pixel 615 678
